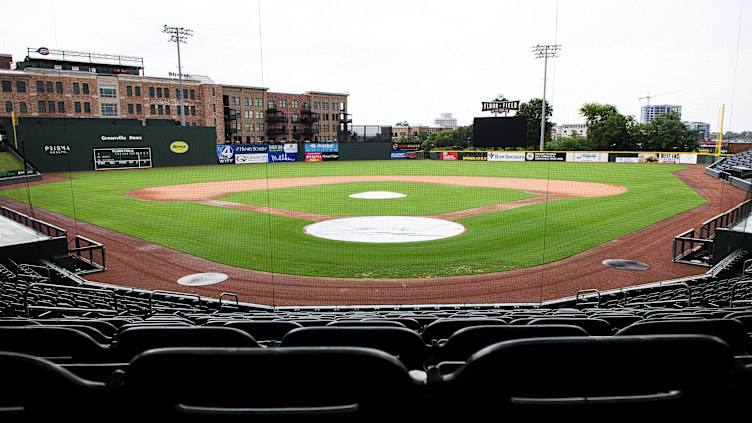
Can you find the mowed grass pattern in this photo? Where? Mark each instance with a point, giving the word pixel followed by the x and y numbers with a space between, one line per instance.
pixel 498 241
pixel 420 199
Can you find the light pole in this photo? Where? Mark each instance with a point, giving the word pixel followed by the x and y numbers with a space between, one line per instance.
pixel 545 51
pixel 178 35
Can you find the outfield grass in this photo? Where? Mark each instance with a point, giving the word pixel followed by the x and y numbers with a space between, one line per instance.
pixel 496 241
pixel 9 161
pixel 420 199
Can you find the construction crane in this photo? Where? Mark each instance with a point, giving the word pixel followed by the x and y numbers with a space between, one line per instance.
pixel 648 97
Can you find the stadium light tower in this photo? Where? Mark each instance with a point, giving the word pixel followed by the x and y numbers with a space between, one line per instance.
pixel 545 51
pixel 178 35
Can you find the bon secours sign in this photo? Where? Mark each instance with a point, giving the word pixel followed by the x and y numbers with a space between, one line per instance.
pixel 257 153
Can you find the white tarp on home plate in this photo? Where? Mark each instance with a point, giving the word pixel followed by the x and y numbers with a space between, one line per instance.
pixel 384 229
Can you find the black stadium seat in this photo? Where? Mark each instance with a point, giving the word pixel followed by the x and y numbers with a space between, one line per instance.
pixel 270 384
pixel 590 378
pixel 401 342
pixel 59 344
pixel 444 328
pixel 729 330
pixel 263 330
pixel 135 340
pixel 596 327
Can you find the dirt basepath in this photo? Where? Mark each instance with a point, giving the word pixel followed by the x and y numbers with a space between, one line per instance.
pixel 137 263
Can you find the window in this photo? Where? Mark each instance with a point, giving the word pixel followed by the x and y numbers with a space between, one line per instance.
pixel 159 92
pixel 107 91
pixel 259 102
pixel 185 110
pixel 85 88
pixel 193 95
pixel 138 109
pixel 214 107
pixel 59 87
pixel 258 127
pixel 40 86
pixel 87 107
pixel 247 101
pixel 248 114
pixel 335 106
pixel 160 110
pixel 215 119
pixel 22 107
pixel 130 108
pixel 270 104
pixel 138 91
pixel 177 92
pixel 42 107
pixel 193 123
pixel 325 105
pixel 21 86
pixel 282 103
pixel 179 110
pixel 129 91
pixel 153 109
pixel 8 106
pixel 295 104
pixel 151 91
pixel 248 127
pixel 49 86
pixel 109 109
pixel 61 107
pixel 76 88
pixel 235 101
pixel 185 93
pixel 166 92
pixel 315 105
pixel 51 106
pixel 7 86
pixel 212 91
pixel 295 117
pixel 306 105
pixel 167 109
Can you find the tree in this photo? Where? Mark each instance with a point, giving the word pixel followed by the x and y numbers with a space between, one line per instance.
pixel 403 123
pixel 573 143
pixel 532 110
pixel 666 132
pixel 607 129
pixel 461 137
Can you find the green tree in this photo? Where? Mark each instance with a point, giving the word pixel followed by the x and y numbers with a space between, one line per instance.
pixel 461 137
pixel 573 143
pixel 666 132
pixel 532 110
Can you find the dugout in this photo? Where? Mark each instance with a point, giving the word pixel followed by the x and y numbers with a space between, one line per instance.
pixel 62 144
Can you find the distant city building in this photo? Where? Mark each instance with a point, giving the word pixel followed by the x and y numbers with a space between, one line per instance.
pixel 569 130
pixel 652 111
pixel 446 121
pixel 702 128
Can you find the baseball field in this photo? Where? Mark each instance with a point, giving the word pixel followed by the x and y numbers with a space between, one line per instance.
pixel 514 214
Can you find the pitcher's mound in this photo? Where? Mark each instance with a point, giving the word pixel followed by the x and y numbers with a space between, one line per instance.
pixel 384 229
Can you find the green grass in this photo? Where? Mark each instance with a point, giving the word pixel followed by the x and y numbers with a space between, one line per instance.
pixel 496 241
pixel 9 161
pixel 420 199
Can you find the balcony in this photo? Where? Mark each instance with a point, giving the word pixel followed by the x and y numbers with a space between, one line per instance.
pixel 275 118
pixel 309 131
pixel 277 131
pixel 231 114
pixel 307 117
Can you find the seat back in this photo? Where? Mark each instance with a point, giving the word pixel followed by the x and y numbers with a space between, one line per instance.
pixel 290 384
pixel 630 375
pixel 444 328
pixel 58 344
pixel 134 340
pixel 730 331
pixel 596 327
pixel 263 330
pixel 400 342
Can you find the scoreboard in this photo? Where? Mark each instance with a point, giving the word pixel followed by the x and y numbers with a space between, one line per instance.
pixel 122 158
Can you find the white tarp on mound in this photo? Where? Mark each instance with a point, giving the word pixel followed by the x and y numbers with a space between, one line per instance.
pixel 384 229
pixel 377 195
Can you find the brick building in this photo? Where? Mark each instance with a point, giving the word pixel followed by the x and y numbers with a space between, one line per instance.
pixel 87 85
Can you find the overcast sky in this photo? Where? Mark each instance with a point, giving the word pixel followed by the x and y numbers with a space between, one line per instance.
pixel 412 60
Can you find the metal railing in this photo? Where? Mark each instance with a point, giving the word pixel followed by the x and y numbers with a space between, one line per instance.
pixel 39 226
pixel 583 294
pixel 725 220
pixel 85 247
pixel 733 292
pixel 173 296
pixel 687 244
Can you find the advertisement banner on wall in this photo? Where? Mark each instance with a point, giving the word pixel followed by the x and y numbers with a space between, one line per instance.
pixel 276 148
pixel 587 157
pixel 327 157
pixel 399 155
pixel 313 157
pixel 283 157
pixel 473 156
pixel 322 148
pixel 626 160
pixel 411 155
pixel 225 154
pixel 647 158
pixel 545 157
pixel 290 148
pixel 688 158
pixel 449 155
pixel 251 148
pixel 406 146
pixel 672 158
pixel 505 156
pixel 251 158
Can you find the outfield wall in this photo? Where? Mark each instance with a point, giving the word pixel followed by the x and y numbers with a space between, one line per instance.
pixel 60 144
pixel 576 156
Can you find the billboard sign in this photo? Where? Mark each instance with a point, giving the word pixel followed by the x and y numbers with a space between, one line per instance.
pixel 313 157
pixel 449 155
pixel 587 157
pixel 251 158
pixel 627 160
pixel 672 158
pixel 474 156
pixel 505 156
pixel 290 148
pixel 277 157
pixel 406 146
pixel 688 158
pixel 225 154
pixel 322 148
pixel 545 157
pixel 327 157
pixel 251 148
pixel 647 158
pixel 399 155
